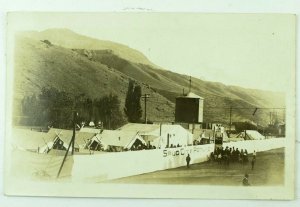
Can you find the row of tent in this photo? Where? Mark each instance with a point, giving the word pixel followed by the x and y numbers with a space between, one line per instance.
pixel 131 136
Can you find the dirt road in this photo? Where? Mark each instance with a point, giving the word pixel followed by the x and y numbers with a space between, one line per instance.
pixel 268 171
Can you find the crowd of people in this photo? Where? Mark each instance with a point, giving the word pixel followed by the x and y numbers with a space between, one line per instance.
pixel 229 155
pixel 142 147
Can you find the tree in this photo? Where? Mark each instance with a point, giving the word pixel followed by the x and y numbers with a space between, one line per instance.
pixel 31 110
pixel 85 108
pixel 108 109
pixel 50 108
pixel 128 109
pixel 137 93
pixel 133 109
pixel 55 108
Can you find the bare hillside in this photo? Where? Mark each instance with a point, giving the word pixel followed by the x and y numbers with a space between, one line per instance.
pixel 79 64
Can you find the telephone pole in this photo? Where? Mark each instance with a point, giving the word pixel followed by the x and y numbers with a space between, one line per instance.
pixel 190 86
pixel 74 129
pixel 230 112
pixel 72 142
pixel 145 96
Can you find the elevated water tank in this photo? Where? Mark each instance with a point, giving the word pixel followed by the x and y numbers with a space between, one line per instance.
pixel 189 109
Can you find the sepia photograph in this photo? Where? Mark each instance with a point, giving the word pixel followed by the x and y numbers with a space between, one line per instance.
pixel 150 105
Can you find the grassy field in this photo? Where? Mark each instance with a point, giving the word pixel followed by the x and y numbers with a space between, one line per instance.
pixel 268 171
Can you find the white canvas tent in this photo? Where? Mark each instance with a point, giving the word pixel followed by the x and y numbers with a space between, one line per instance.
pixel 251 135
pixel 200 134
pixel 161 136
pixel 118 140
pixel 254 135
pixel 26 139
pixel 59 139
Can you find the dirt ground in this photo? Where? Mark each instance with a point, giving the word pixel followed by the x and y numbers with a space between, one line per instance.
pixel 268 171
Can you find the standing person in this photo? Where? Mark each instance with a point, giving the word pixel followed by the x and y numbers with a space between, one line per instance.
pixel 246 156
pixel 188 159
pixel 237 154
pixel 245 180
pixel 252 163
pixel 233 155
pixel 242 154
pixel 254 154
pixel 219 158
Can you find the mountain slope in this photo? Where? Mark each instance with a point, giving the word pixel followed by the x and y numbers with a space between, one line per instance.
pixel 79 64
pixel 40 65
pixel 69 39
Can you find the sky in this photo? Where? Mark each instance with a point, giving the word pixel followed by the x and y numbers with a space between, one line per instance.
pixel 249 50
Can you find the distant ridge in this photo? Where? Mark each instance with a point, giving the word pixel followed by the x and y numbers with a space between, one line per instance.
pixel 77 41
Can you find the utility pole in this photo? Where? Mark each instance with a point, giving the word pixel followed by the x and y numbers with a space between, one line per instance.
pixel 230 120
pixel 256 118
pixel 74 128
pixel 145 96
pixel 190 86
pixel 71 143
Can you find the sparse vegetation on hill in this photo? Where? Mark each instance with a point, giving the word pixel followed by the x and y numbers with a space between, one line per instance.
pixel 77 64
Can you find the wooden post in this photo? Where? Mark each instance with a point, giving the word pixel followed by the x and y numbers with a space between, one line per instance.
pixel 71 143
pixel 62 164
pixel 74 128
pixel 145 96
pixel 168 140
pixel 230 120
pixel 160 125
pixel 190 86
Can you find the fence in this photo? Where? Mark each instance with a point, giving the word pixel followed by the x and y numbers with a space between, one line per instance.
pixel 108 166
